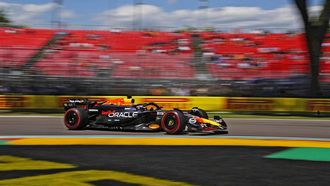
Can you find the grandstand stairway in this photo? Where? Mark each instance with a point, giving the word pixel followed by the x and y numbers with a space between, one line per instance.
pixel 40 54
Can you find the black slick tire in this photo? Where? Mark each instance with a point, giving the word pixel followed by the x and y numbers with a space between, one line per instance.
pixel 173 122
pixel 75 118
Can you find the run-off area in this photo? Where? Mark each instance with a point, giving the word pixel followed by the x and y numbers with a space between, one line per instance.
pixel 162 165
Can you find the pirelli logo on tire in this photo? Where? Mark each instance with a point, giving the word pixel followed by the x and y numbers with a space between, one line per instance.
pixel 9 102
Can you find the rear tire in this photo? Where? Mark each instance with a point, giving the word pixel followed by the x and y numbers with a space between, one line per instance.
pixel 75 118
pixel 199 112
pixel 173 122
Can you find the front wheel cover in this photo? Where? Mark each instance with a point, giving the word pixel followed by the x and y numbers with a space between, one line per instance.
pixel 173 122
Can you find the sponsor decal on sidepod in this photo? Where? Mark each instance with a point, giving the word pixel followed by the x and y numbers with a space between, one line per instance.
pixel 123 115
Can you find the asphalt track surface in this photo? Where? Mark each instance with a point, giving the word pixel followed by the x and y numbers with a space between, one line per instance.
pixel 18 126
pixel 194 165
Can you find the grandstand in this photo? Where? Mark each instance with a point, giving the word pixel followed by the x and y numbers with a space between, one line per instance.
pixel 18 46
pixel 123 55
pixel 250 56
pixel 141 57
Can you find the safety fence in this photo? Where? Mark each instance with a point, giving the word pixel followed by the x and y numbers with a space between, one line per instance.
pixel 215 104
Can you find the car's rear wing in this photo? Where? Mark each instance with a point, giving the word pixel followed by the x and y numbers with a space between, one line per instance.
pixel 76 103
pixel 85 103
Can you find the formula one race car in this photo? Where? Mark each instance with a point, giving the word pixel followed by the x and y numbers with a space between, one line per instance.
pixel 123 114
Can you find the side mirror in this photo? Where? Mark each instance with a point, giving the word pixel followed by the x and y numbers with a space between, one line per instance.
pixel 132 100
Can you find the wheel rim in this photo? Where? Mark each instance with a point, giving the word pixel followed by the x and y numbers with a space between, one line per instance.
pixel 72 118
pixel 170 121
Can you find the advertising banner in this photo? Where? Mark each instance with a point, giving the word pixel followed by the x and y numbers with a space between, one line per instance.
pixel 10 102
pixel 227 104
pixel 317 105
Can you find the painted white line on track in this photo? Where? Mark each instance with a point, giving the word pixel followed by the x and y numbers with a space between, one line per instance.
pixel 156 137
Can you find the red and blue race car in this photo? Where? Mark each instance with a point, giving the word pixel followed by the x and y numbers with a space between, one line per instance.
pixel 123 114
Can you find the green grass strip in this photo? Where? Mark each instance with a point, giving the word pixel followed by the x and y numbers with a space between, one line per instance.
pixel 3 142
pixel 306 154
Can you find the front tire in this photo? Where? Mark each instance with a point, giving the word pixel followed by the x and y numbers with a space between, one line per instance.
pixel 173 122
pixel 75 118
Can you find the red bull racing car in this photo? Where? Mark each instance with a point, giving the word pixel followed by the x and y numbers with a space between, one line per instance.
pixel 123 114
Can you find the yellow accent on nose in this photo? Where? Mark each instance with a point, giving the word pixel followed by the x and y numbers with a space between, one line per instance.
pixel 210 122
